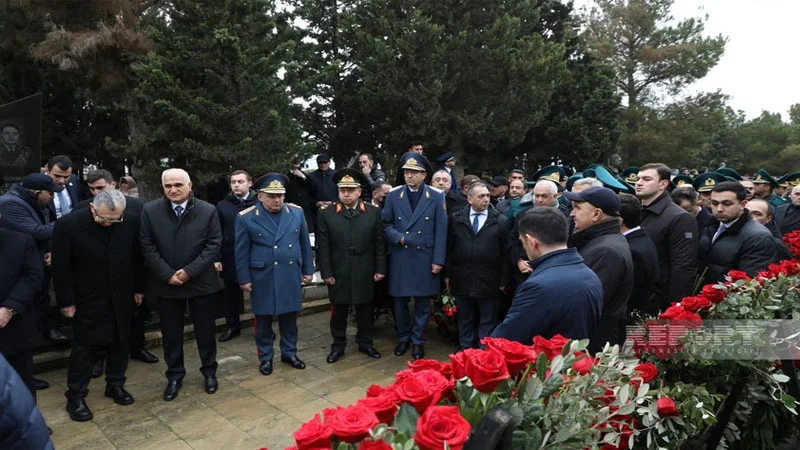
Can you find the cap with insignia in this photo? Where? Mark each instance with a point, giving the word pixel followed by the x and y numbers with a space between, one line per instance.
pixel 607 178
pixel 680 180
pixel 789 180
pixel 730 173
pixel 445 157
pixel 631 174
pixel 763 177
pixel 348 178
pixel 414 161
pixel 552 173
pixel 271 183
pixel 705 182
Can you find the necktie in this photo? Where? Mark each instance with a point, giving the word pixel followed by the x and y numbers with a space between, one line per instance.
pixel 179 211
pixel 62 199
pixel 475 222
pixel 719 231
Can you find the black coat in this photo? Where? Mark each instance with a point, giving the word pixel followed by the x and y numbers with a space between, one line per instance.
pixel 352 249
pixel 323 189
pixel 606 252
pixel 22 426
pixel 133 206
pixel 703 218
pixel 783 251
pixel 192 243
pixel 476 263
pixel 97 269
pixel 20 282
pixel 645 270
pixel 787 218
pixel 674 233
pixel 746 245
pixel 227 209
pixel 453 202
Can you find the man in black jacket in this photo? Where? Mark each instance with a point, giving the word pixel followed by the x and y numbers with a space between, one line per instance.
pixel 787 217
pixel 373 176
pixel 674 233
pixel 689 200
pixel 762 212
pixel 99 275
pixel 181 243
pixel 734 241
pixel 476 270
pixel 643 252
pixel 241 197
pixel 595 212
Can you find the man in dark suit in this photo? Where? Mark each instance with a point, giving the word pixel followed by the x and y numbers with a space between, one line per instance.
pixel 19 284
pixel 323 190
pixel 443 180
pixel 59 169
pixel 643 251
pixel 787 217
pixel 351 248
pixel 99 276
pixel 181 242
pixel 689 200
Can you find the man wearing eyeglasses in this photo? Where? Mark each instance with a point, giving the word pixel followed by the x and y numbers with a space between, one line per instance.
pixel 99 276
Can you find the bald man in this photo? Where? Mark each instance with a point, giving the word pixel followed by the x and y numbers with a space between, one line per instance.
pixel 181 243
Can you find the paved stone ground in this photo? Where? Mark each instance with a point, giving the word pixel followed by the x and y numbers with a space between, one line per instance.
pixel 249 410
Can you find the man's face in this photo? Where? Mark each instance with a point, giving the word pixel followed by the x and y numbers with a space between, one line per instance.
pixel 441 181
pixel 779 191
pixel 795 197
pixel 542 195
pixel 414 178
pixel 271 202
pixel 499 191
pixel 177 187
pixel 379 195
pixel 759 210
pixel 762 189
pixel 479 199
pixel 100 185
pixel 240 185
pixel 59 175
pixel 349 196
pixel 516 176
pixel 648 185
pixel 705 199
pixel 324 166
pixel 516 189
pixel 364 162
pixel 44 197
pixel 583 214
pixel 104 216
pixel 749 187
pixel 10 135
pixel 417 149
pixel 726 207
pixel 450 163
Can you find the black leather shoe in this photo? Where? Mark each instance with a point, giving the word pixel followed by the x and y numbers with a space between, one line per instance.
pixel 172 390
pixel 211 384
pixel 229 334
pixel 417 352
pixel 97 370
pixel 40 384
pixel 334 356
pixel 265 367
pixel 57 336
pixel 144 356
pixel 293 361
pixel 371 352
pixel 78 411
pixel 401 348
pixel 119 395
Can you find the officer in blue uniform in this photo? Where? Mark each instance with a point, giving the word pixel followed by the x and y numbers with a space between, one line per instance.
pixel 415 221
pixel 273 260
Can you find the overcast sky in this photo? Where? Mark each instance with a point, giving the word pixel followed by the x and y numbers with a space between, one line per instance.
pixel 760 67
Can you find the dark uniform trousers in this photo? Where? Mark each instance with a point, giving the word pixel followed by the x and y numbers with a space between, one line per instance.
pixel 411 332
pixel 82 360
pixel 140 315
pixel 41 307
pixel 172 312
pixel 339 316
pixel 471 310
pixel 265 337
pixel 23 363
pixel 234 302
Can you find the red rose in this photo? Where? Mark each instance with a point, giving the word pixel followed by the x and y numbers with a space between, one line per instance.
pixel 425 364
pixel 384 407
pixel 516 354
pixel 353 423
pixel 440 424
pixel 435 380
pixel 736 275
pixel 413 391
pixel 667 408
pixel 376 391
pixel 790 267
pixel 457 363
pixel 648 371
pixel 486 369
pixel 583 364
pixel 713 294
pixel 313 433
pixel 679 315
pixel 374 445
pixel 695 304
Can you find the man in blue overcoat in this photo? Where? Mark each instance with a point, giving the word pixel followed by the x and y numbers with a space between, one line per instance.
pixel 415 221
pixel 273 260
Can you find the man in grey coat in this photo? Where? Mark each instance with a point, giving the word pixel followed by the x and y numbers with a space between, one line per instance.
pixel 181 242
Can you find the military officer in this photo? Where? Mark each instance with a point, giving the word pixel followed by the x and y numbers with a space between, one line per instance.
pixel 764 185
pixel 351 251
pixel 415 221
pixel 273 257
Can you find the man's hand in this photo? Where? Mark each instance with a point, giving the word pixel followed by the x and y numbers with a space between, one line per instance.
pixel 403 240
pixel 330 281
pixel 247 287
pixel 5 316
pixel 523 266
pixel 436 268
pixel 366 170
pixel 48 259
pixel 321 204
pixel 378 277
pixel 174 280
pixel 138 299
pixel 218 266
pixel 298 173
pixel 68 311
pixel 183 275
pixel 307 279
pixel 447 283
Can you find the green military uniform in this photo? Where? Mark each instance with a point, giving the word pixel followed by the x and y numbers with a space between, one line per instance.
pixel 763 177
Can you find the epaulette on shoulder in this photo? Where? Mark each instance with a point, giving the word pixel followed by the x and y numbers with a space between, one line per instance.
pixel 396 188
pixel 294 206
pixel 247 210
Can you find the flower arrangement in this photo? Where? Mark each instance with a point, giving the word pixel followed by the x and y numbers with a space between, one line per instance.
pixel 444 310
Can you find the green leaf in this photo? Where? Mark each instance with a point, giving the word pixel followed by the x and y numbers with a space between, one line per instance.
pixel 406 420
pixel 535 439
pixel 533 389
pixel 556 364
pixel 780 378
pixel 541 366
pixel 552 385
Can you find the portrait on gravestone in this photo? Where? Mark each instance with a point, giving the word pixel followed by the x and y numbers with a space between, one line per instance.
pixel 20 139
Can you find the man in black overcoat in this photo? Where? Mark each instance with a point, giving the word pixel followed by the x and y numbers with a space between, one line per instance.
pixel 351 249
pixel 99 277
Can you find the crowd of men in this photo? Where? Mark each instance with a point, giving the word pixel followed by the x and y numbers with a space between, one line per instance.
pixel 525 254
